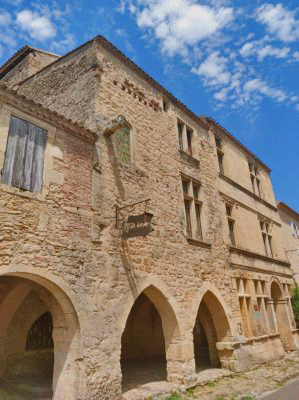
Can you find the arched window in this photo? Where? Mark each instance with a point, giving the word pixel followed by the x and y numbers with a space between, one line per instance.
pixel 40 334
pixel 122 145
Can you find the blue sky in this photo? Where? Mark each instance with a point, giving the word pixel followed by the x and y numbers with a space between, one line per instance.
pixel 236 61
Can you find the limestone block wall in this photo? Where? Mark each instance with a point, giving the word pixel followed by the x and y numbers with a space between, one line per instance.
pixel 46 237
pixel 291 241
pixel 68 87
pixel 33 62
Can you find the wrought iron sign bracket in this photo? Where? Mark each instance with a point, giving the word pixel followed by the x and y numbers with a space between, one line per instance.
pixel 129 208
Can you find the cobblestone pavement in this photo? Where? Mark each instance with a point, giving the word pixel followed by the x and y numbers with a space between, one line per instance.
pixel 251 385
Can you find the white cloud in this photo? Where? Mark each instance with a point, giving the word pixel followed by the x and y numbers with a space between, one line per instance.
pixel 268 50
pixel 221 95
pixel 247 49
pixel 214 70
pixel 181 23
pixel 279 21
pixel 296 55
pixel 38 26
pixel 64 44
pixel 258 86
pixel 5 18
pixel 262 51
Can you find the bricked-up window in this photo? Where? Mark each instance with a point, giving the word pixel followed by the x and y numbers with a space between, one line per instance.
pixel 185 134
pixel 255 182
pixel 220 154
pixel 231 224
pixel 40 334
pixel 24 156
pixel 122 145
pixel 192 208
pixel 267 238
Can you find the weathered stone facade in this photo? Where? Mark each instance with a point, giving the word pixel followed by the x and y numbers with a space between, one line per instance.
pixel 290 225
pixel 172 299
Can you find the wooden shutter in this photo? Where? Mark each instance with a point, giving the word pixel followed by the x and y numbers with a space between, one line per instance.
pixel 24 157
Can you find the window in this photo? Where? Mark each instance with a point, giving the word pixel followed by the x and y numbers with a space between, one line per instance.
pixel 220 154
pixel 180 133
pixel 165 105
pixel 231 224
pixel 255 182
pixel 192 208
pixel 189 141
pixel 267 238
pixel 185 138
pixel 40 334
pixel 122 145
pixel 24 156
pixel 294 230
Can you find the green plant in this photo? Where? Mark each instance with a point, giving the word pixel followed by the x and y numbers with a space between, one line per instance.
pixel 211 384
pixel 190 390
pixel 174 396
pixel 220 398
pixel 247 397
pixel 295 302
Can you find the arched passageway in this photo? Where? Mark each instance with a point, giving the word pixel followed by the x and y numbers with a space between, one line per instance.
pixel 280 319
pixel 147 341
pixel 38 328
pixel 211 326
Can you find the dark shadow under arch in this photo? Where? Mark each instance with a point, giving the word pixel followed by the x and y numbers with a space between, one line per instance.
pixel 211 326
pixel 147 341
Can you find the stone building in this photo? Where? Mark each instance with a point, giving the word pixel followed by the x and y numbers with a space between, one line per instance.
pixel 290 225
pixel 90 313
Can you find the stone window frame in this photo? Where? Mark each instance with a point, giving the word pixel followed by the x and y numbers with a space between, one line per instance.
pixel 186 146
pixel 265 228
pixel 220 152
pixel 51 151
pixel 254 177
pixel 231 222
pixel 191 196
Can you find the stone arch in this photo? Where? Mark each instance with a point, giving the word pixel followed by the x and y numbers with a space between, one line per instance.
pixel 210 326
pixel 169 322
pixel 220 306
pixel 66 327
pixel 281 322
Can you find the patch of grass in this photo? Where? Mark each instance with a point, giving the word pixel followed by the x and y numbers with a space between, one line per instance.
pixel 220 398
pixel 211 384
pixel 248 397
pixel 190 390
pixel 173 396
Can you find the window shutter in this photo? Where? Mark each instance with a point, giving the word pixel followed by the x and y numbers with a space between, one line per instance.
pixel 14 152
pixel 24 157
pixel 37 170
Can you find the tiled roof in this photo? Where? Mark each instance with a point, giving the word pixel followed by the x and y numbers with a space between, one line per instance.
pixel 290 210
pixel 13 98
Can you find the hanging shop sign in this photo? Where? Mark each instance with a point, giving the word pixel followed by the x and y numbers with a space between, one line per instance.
pixel 137 225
